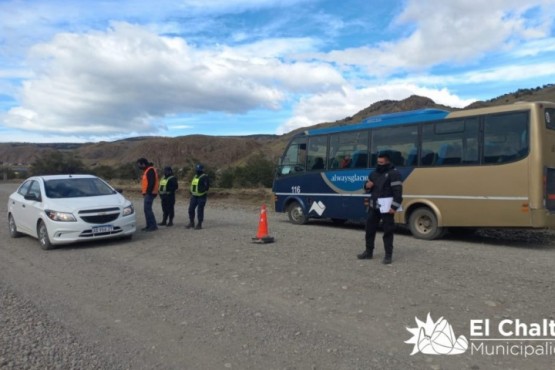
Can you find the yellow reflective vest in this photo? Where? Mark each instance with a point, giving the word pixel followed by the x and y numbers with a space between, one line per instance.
pixel 163 185
pixel 194 186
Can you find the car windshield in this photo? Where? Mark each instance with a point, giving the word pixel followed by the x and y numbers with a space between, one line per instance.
pixel 76 187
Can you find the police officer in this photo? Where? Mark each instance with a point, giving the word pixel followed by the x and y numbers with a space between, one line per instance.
pixel 199 189
pixel 168 186
pixel 383 182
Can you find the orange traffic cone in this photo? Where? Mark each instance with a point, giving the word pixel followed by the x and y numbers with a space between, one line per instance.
pixel 262 235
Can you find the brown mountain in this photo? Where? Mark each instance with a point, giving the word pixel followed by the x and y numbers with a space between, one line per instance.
pixel 223 151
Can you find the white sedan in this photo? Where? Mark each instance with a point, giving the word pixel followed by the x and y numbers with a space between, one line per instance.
pixel 62 209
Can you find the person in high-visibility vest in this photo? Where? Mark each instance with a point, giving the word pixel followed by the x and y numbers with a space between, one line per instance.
pixel 149 189
pixel 168 186
pixel 199 190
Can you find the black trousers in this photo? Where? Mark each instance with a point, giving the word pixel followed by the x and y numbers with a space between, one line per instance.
pixel 168 207
pixel 198 203
pixel 372 222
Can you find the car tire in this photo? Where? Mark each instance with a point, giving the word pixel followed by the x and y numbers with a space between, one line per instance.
pixel 296 214
pixel 423 224
pixel 13 227
pixel 42 234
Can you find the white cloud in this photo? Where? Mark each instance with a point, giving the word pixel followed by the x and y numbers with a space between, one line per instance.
pixel 332 106
pixel 488 76
pixel 455 31
pixel 125 79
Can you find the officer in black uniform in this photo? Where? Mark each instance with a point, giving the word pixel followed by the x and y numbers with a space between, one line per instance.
pixel 168 186
pixel 385 185
pixel 199 190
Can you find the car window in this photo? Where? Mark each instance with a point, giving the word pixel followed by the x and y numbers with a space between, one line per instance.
pixel 35 189
pixel 74 188
pixel 24 188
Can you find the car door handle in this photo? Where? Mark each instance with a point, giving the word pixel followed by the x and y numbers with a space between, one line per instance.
pixel 23 205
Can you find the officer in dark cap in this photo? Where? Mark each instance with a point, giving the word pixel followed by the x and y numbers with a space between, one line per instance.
pixel 199 190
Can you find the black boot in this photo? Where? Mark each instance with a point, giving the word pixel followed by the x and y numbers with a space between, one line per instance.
pixel 163 223
pixel 199 226
pixel 366 255
pixel 387 260
pixel 190 225
pixel 170 223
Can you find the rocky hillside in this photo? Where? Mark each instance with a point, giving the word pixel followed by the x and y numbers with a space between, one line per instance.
pixel 219 151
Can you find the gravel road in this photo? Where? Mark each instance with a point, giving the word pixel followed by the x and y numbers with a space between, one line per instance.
pixel 212 299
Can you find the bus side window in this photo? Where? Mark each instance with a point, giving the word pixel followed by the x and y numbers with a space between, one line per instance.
pixel 492 153
pixel 373 160
pixel 334 163
pixel 470 156
pixel 448 154
pixel 428 157
pixel 396 157
pixel 359 160
pixel 318 163
pixel 412 157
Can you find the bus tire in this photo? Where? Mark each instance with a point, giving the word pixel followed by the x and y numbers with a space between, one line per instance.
pixel 296 214
pixel 423 224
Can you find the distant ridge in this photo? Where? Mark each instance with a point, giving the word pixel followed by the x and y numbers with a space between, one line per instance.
pixel 218 152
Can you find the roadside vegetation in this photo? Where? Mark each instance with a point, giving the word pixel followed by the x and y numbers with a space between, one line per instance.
pixel 256 172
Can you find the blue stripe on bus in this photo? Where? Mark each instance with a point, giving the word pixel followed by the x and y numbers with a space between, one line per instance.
pixel 383 120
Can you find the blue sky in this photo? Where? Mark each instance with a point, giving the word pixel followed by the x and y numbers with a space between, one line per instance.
pixel 78 71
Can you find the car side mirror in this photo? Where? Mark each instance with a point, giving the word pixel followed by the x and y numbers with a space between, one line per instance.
pixel 32 196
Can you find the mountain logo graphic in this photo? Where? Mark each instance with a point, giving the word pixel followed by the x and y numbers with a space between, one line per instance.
pixel 318 207
pixel 436 338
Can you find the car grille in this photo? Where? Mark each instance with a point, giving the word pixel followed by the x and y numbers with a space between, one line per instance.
pixel 99 216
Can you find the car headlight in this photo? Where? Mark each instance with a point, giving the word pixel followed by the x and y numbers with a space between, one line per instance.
pixel 60 216
pixel 129 210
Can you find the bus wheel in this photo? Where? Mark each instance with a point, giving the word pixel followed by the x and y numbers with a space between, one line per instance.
pixel 296 214
pixel 423 224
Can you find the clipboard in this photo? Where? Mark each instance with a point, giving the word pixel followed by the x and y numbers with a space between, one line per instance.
pixel 385 205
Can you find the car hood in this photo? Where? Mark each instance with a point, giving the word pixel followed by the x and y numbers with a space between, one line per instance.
pixel 76 204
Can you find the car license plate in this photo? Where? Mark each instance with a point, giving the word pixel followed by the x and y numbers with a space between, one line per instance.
pixel 102 229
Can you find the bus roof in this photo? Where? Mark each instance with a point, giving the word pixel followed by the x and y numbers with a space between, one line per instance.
pixel 390 119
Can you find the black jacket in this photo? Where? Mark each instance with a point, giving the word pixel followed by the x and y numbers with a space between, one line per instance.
pixel 386 184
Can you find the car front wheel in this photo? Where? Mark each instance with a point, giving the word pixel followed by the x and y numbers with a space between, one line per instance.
pixel 44 240
pixel 13 227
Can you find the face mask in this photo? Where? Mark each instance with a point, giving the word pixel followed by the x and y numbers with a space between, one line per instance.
pixel 381 168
